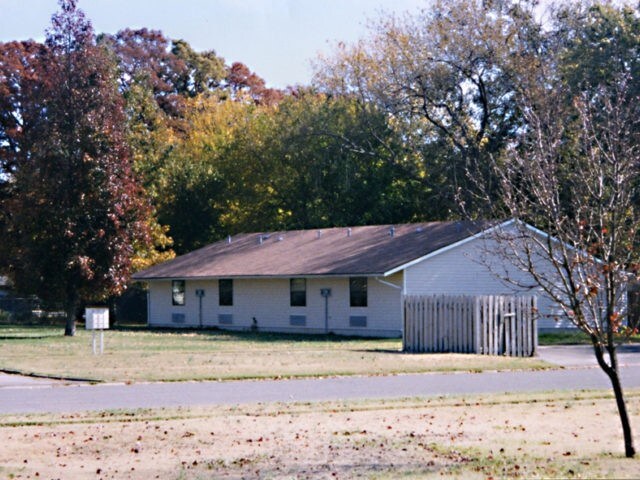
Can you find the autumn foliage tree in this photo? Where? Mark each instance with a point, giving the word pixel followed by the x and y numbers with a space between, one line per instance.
pixel 72 208
pixel 574 172
pixel 578 181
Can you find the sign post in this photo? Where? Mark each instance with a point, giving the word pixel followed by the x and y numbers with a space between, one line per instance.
pixel 200 294
pixel 326 293
pixel 97 319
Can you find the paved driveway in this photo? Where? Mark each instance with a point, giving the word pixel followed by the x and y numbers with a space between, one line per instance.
pixel 583 356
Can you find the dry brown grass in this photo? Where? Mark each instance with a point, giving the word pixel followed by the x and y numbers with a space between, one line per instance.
pixel 141 355
pixel 555 435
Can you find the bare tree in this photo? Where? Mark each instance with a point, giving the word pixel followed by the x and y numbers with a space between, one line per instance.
pixel 575 176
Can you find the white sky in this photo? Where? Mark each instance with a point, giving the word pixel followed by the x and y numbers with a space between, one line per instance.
pixel 275 38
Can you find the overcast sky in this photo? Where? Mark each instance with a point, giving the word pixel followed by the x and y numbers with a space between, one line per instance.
pixel 275 38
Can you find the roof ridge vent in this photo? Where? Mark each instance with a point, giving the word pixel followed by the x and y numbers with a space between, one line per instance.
pixel 263 237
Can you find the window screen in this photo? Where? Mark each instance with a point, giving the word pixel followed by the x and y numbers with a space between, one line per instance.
pixel 298 287
pixel 225 292
pixel 177 292
pixel 358 291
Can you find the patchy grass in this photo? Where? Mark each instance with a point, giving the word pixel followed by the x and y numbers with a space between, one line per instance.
pixel 577 337
pixel 564 338
pixel 142 355
pixel 542 435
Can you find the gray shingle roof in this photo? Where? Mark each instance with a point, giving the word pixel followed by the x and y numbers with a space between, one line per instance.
pixel 368 250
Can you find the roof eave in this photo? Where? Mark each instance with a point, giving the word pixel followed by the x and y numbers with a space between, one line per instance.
pixel 447 248
pixel 259 277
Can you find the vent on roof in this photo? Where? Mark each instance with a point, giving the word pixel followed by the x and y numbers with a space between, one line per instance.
pixel 419 229
pixel 392 231
pixel 228 238
pixel 280 238
pixel 319 234
pixel 348 232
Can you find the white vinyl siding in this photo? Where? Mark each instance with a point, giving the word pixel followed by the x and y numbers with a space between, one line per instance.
pixel 463 271
pixel 268 301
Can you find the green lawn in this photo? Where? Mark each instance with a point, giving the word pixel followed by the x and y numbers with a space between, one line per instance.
pixel 573 338
pixel 157 355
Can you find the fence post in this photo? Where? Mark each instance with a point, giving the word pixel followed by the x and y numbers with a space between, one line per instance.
pixel 489 325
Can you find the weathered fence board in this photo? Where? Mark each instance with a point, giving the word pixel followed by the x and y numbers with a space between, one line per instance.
pixel 490 324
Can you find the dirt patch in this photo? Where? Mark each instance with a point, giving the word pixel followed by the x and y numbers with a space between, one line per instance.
pixel 491 436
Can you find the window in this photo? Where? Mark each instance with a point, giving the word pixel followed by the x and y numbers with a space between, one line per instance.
pixel 358 291
pixel 225 292
pixel 298 287
pixel 177 292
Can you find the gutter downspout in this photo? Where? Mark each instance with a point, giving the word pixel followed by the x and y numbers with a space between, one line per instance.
pixel 388 284
pixel 148 305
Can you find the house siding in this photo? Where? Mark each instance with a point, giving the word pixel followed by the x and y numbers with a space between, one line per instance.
pixel 463 271
pixel 268 301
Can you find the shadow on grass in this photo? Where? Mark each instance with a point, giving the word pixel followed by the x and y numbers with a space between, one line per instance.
pixel 28 337
pixel 250 336
pixel 212 333
pixel 393 351
pixel 27 332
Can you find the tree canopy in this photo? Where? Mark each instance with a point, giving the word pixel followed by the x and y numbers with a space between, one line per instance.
pixel 72 207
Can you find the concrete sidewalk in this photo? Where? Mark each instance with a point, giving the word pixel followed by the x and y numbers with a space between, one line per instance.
pixel 22 381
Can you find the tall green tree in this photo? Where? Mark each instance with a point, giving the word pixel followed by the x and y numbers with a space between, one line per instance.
pixel 309 161
pixel 598 42
pixel 341 164
pixel 73 208
pixel 447 77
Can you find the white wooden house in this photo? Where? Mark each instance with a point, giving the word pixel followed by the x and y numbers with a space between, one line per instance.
pixel 348 281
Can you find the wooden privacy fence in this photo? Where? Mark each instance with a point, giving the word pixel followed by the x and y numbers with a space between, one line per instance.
pixel 489 325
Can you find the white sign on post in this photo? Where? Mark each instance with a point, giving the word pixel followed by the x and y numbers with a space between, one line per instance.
pixel 97 318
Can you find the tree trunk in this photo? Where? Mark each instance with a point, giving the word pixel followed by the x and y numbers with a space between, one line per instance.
pixel 614 376
pixel 70 326
pixel 629 450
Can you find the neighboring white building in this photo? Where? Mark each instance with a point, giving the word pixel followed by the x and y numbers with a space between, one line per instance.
pixel 348 281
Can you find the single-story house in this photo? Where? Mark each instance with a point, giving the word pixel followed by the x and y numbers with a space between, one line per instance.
pixel 348 281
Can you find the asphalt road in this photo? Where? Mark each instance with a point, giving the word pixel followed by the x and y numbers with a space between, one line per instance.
pixel 37 395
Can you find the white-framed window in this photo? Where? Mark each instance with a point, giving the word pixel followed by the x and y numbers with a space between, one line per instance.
pixel 225 292
pixel 298 292
pixel 358 291
pixel 178 292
